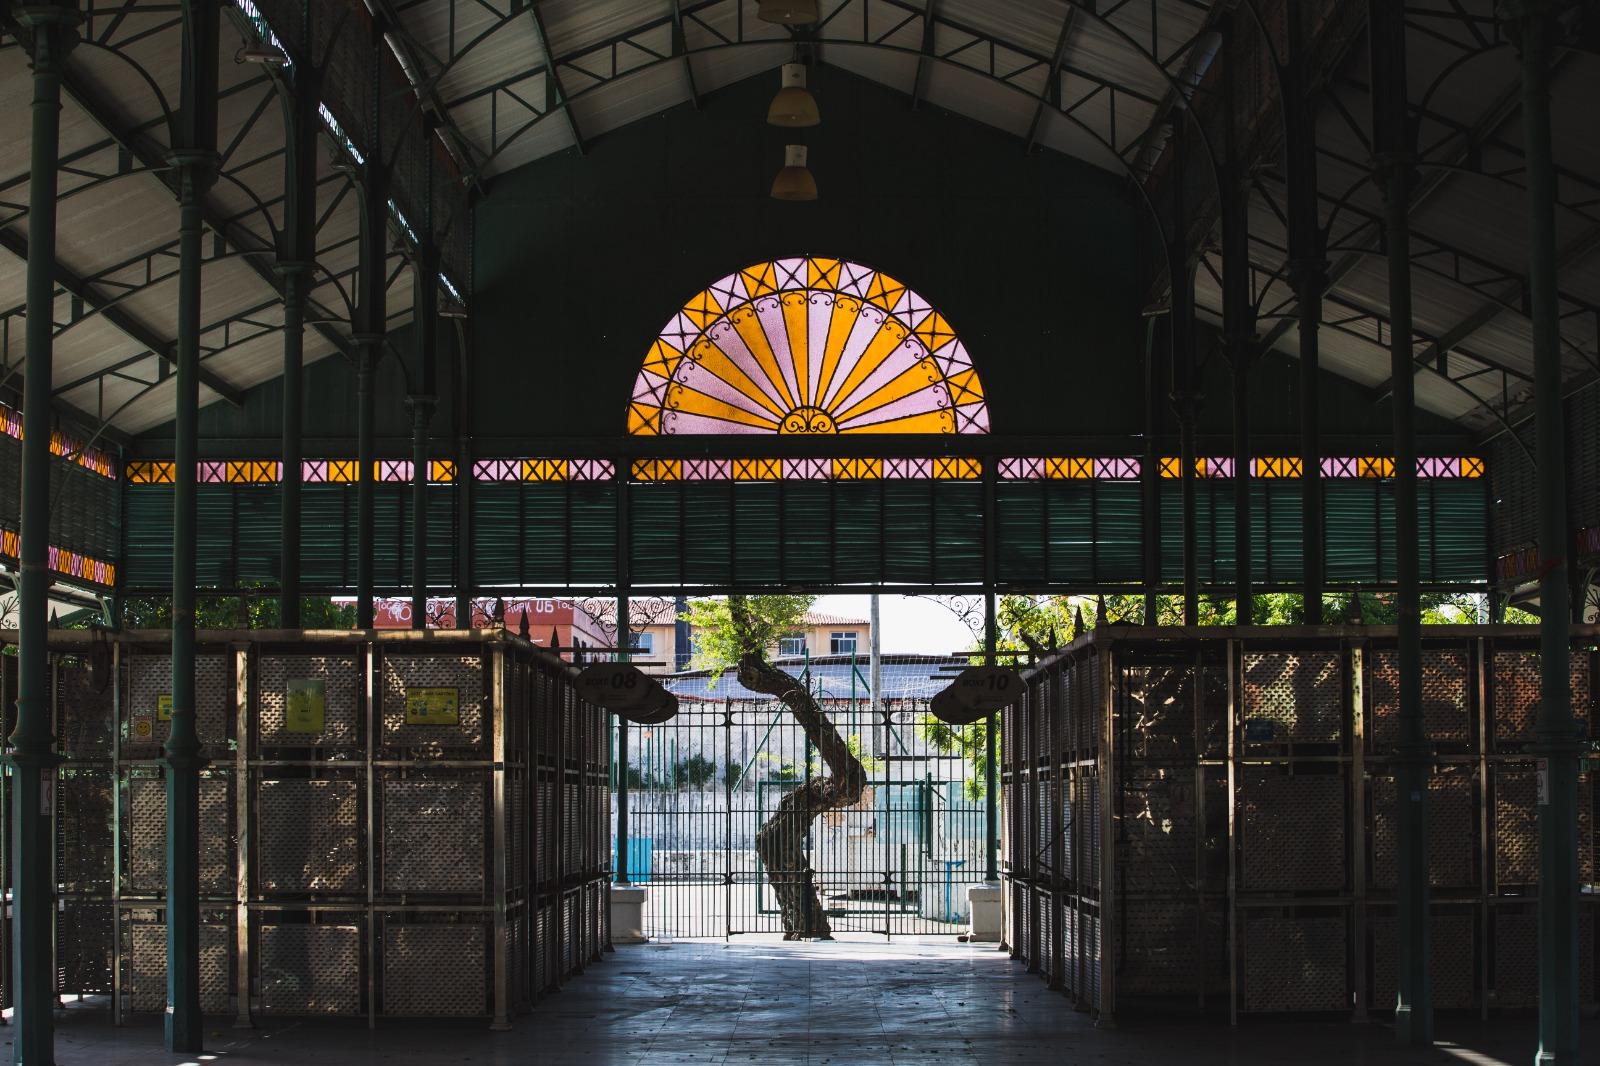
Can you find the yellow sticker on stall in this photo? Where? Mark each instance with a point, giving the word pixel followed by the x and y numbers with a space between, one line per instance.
pixel 305 705
pixel 433 706
pixel 164 707
pixel 143 728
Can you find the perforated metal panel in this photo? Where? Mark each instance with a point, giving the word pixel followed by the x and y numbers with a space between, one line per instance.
pixel 1514 976
pixel 1158 817
pixel 1292 830
pixel 341 676
pixel 147 835
pixel 1295 696
pixel 150 678
pixel 1444 697
pixel 1515 693
pixel 464 673
pixel 1516 826
pixel 1157 708
pixel 433 835
pixel 1294 963
pixel 146 984
pixel 85 706
pixel 1452 830
pixel 1160 949
pixel 84 829
pixel 310 969
pixel 309 835
pixel 435 970
pixel 1452 946
pixel 85 935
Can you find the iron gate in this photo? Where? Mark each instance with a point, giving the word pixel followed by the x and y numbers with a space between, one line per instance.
pixel 898 861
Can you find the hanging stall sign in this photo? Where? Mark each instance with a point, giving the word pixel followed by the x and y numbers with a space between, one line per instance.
pixel 943 706
pixel 656 713
pixel 433 706
pixel 616 686
pixel 976 693
pixel 305 705
pixel 164 707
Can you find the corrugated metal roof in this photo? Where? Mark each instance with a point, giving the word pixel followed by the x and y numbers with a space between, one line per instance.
pixel 619 61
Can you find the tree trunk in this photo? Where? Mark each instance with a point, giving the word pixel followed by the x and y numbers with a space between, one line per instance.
pixel 781 842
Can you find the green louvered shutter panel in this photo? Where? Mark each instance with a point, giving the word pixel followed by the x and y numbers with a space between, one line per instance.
pixel 958 532
pixel 594 533
pixel 1350 525
pixel 1119 532
pixel 1069 516
pixel 259 534
pixel 147 555
pixel 807 532
pixel 1020 526
pixel 1458 511
pixel 497 533
pixel 327 537
pixel 707 520
pixel 857 532
pixel 543 518
pixel 756 546
pixel 214 537
pixel 654 518
pixel 908 529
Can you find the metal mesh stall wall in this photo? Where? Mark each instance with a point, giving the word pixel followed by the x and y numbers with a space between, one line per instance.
pixel 1216 829
pixel 387 823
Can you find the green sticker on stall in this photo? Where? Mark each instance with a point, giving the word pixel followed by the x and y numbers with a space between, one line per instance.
pixel 433 706
pixel 164 707
pixel 305 705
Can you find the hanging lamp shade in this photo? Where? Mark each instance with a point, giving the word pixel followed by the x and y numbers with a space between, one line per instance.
pixel 794 181
pixel 788 12
pixel 794 105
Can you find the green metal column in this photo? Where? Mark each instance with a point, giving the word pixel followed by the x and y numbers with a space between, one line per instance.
pixel 1183 371
pixel 296 255
pixel 1238 325
pixel 372 321
pixel 425 324
pixel 466 482
pixel 1392 141
pixel 52 31
pixel 991 643
pixel 1555 730
pixel 624 638
pixel 1150 478
pixel 1308 272
pixel 195 165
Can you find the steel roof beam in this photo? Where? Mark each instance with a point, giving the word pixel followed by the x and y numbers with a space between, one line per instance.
pixel 1052 86
pixel 153 156
pixel 426 87
pixel 76 287
pixel 1505 105
pixel 552 74
pixel 930 15
pixel 680 45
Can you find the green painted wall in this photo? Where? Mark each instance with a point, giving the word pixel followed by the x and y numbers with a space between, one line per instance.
pixel 582 260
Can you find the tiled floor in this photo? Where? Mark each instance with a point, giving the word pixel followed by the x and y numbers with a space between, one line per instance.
pixel 855 1003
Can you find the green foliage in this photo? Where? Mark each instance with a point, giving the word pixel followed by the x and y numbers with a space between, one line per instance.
pixel 967 741
pixel 250 611
pixel 696 772
pixel 728 628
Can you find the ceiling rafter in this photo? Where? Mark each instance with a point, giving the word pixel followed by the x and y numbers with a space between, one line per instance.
pixel 79 289
pixel 1052 85
pixel 552 72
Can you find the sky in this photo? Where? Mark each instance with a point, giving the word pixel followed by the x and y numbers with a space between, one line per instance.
pixel 910 623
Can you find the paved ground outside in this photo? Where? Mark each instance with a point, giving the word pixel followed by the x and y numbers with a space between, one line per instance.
pixel 855 1002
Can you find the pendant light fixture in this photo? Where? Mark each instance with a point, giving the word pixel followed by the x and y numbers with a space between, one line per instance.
pixel 794 106
pixel 788 12
pixel 794 181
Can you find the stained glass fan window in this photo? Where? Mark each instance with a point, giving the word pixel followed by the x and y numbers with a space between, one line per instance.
pixel 807 346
